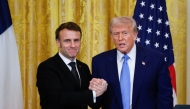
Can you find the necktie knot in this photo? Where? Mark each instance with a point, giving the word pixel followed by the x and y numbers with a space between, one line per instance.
pixel 72 64
pixel 126 57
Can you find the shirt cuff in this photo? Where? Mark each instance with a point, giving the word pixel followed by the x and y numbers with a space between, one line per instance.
pixel 94 96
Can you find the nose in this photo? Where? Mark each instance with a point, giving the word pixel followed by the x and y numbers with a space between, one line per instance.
pixel 72 43
pixel 120 37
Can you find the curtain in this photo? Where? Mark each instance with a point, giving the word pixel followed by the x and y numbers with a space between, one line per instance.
pixel 177 15
pixel 35 21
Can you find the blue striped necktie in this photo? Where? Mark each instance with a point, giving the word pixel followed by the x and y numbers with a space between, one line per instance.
pixel 125 83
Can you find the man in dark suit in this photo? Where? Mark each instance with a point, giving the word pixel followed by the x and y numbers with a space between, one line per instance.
pixel 62 80
pixel 148 76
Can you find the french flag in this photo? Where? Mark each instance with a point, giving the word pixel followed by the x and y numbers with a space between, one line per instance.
pixel 10 78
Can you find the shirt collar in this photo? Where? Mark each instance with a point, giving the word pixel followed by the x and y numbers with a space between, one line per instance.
pixel 131 54
pixel 66 60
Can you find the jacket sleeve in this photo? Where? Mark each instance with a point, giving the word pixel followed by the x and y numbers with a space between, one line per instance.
pixel 165 99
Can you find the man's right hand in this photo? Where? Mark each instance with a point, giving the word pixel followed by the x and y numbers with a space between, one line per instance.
pixel 98 85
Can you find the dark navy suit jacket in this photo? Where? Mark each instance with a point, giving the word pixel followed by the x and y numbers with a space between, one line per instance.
pixel 152 87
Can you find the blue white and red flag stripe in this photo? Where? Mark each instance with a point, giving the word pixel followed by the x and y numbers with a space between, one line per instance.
pixel 10 78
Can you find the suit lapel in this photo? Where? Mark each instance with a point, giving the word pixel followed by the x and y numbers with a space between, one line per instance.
pixel 79 67
pixel 140 71
pixel 66 70
pixel 82 75
pixel 113 76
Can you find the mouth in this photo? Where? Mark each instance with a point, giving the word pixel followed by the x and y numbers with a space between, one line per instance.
pixel 122 45
pixel 72 50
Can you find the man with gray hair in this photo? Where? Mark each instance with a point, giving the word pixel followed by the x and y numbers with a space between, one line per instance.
pixel 137 77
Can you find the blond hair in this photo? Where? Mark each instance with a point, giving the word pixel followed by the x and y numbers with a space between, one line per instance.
pixel 124 20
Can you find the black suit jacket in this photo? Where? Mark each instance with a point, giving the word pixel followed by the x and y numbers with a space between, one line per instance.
pixel 59 89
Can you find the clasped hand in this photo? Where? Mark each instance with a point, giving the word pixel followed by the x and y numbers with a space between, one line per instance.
pixel 98 85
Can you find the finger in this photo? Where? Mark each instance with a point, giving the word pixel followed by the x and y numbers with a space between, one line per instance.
pixel 92 88
pixel 95 82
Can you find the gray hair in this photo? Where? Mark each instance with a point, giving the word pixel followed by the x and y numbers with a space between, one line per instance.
pixel 124 20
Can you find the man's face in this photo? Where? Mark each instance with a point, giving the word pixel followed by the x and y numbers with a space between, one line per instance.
pixel 123 37
pixel 69 43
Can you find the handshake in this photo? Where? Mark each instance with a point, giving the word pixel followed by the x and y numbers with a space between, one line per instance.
pixel 98 85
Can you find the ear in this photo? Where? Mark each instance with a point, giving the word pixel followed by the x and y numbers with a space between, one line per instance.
pixel 111 37
pixel 135 35
pixel 58 43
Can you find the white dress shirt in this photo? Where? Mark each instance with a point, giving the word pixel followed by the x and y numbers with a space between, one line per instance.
pixel 67 61
pixel 131 64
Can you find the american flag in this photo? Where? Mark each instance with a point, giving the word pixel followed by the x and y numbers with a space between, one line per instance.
pixel 154 32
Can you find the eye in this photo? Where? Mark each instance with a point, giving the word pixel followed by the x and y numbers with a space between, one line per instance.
pixel 115 33
pixel 67 40
pixel 77 40
pixel 125 33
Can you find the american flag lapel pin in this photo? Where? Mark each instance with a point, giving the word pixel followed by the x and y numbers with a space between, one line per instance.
pixel 143 63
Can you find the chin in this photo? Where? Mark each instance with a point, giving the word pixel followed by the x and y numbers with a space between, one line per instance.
pixel 73 56
pixel 122 50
